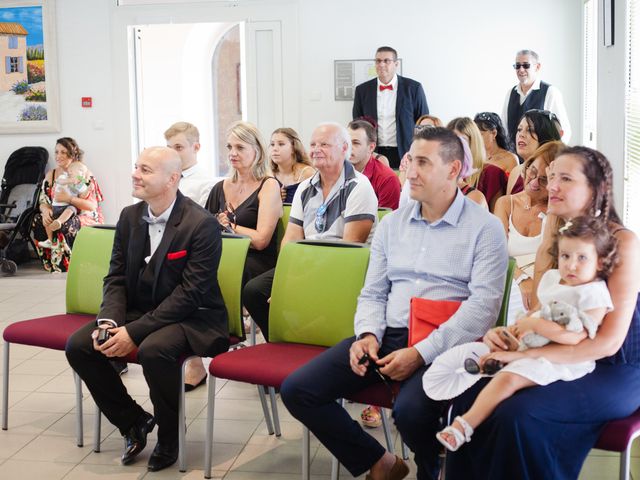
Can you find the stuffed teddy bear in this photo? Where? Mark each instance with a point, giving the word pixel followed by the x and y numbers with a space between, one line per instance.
pixel 564 314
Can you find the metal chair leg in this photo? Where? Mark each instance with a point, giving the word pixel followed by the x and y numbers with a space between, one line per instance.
pixel 252 331
pixel 387 430
pixel 208 440
pixel 265 409
pixel 625 463
pixel 79 426
pixel 182 419
pixel 306 454
pixel 274 409
pixel 405 450
pixel 335 465
pixel 96 430
pixel 5 386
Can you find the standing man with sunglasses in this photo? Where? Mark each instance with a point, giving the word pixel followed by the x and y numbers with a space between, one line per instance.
pixel 532 93
pixel 395 103
pixel 336 203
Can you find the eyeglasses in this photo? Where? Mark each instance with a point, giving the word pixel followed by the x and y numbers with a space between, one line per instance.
pixel 525 65
pixel 386 61
pixel 418 128
pixel 321 220
pixel 532 173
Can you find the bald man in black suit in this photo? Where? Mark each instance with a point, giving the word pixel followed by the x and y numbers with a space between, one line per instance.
pixel 161 295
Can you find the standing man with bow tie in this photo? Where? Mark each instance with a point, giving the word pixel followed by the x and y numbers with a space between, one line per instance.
pixel 395 103
pixel 161 296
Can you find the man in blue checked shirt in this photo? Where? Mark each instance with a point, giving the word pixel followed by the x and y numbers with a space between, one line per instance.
pixel 440 246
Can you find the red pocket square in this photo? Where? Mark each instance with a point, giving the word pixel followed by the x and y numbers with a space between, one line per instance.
pixel 176 255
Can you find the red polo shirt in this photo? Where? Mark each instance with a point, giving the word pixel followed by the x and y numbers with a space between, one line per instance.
pixel 385 183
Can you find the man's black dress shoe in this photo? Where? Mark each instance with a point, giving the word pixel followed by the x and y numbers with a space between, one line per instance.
pixel 136 438
pixel 162 457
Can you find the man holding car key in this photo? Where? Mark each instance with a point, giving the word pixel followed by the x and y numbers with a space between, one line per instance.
pixel 161 297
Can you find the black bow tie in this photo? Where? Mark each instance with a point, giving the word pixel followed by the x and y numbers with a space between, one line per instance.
pixel 154 221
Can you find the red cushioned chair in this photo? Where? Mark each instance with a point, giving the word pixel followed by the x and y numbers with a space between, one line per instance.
pixel 89 264
pixel 618 436
pixel 313 301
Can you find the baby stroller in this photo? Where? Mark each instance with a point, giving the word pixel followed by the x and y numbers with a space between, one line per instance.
pixel 19 192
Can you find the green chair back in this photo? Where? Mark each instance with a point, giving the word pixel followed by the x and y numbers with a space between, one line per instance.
pixel 504 309
pixel 282 223
pixel 88 266
pixel 382 211
pixel 230 270
pixel 315 291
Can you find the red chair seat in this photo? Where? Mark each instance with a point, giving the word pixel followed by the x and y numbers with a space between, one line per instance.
pixel 265 364
pixel 617 434
pixel 378 395
pixel 48 332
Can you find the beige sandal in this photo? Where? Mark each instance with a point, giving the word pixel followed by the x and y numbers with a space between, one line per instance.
pixel 371 417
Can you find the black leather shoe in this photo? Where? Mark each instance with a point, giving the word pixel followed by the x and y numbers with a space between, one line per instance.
pixel 136 438
pixel 162 457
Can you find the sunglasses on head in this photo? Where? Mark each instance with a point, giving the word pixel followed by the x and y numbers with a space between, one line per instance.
pixel 550 115
pixel 486 117
pixel 525 65
pixel 419 128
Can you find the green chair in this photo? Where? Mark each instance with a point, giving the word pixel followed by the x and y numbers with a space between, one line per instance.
pixel 230 270
pixel 504 309
pixel 382 211
pixel 282 223
pixel 88 266
pixel 313 302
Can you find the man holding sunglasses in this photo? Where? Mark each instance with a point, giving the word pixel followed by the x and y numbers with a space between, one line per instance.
pixel 532 93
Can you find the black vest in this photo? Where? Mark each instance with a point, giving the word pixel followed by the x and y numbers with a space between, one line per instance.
pixel 535 99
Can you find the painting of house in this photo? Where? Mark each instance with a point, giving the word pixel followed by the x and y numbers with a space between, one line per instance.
pixel 13 52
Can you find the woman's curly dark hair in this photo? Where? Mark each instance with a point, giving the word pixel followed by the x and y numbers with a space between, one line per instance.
pixel 594 230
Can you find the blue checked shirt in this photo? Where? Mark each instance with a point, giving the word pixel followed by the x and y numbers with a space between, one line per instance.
pixel 461 257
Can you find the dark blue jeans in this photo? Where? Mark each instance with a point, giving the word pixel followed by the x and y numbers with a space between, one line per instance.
pixel 310 394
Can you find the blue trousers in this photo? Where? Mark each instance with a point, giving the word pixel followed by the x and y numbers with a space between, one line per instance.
pixel 310 394
pixel 544 431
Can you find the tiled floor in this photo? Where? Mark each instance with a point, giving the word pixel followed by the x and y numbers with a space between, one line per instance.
pixel 40 443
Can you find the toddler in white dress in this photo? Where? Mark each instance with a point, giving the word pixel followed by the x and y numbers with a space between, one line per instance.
pixel 585 253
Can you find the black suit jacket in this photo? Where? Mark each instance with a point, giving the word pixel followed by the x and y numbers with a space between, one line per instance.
pixel 411 104
pixel 185 287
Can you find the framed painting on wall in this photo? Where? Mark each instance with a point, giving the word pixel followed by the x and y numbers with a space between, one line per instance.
pixel 29 100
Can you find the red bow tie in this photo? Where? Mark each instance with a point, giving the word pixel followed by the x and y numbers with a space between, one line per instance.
pixel 386 87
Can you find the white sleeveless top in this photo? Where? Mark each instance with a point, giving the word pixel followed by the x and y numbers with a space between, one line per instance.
pixel 518 244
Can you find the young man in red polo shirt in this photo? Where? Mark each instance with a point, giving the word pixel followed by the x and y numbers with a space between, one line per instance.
pixel 384 180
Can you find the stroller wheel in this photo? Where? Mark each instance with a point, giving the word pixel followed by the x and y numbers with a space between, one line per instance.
pixel 8 267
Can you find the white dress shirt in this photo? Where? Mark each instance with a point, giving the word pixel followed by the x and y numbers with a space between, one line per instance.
pixel 196 185
pixel 386 105
pixel 156 230
pixel 552 101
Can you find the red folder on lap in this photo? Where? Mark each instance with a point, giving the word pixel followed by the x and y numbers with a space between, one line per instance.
pixel 426 315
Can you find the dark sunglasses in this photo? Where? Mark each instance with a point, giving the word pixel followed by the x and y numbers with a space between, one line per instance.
pixel 491 366
pixel 374 367
pixel 321 220
pixel 488 117
pixel 419 128
pixel 550 115
pixel 525 65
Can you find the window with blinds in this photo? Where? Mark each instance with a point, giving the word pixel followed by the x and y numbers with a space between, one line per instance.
pixel 590 78
pixel 632 120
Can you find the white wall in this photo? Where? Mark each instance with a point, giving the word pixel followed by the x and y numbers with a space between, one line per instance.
pixel 461 50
